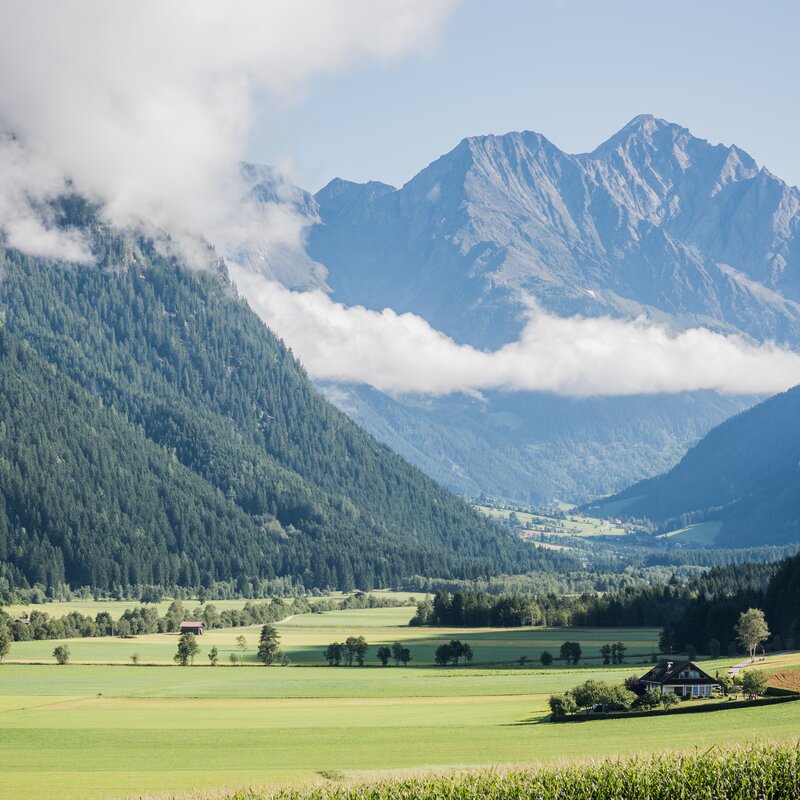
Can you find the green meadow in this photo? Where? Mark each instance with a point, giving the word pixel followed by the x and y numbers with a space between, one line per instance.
pixel 703 533
pixel 573 525
pixel 87 730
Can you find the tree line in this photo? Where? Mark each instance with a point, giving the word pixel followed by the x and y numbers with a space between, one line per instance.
pixel 699 613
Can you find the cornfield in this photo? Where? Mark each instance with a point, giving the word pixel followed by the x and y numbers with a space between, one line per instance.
pixel 750 773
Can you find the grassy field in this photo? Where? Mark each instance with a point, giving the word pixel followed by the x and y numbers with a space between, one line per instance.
pixel 573 525
pixel 118 607
pixel 704 533
pixel 100 730
pixel 304 637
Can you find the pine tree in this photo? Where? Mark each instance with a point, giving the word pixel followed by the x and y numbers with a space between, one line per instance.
pixel 269 651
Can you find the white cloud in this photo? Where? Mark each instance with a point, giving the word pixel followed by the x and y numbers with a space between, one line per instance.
pixel 146 106
pixel 402 353
pixel 27 181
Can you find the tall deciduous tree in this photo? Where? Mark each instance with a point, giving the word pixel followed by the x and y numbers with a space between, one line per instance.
pixel 187 649
pixel 5 641
pixel 61 654
pixel 355 647
pixel 333 653
pixel 752 630
pixel 754 683
pixel 571 652
pixel 400 654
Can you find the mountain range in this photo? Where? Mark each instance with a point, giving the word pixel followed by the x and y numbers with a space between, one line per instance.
pixel 743 475
pixel 654 222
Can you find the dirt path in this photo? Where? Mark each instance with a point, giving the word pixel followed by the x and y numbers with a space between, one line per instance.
pixel 737 668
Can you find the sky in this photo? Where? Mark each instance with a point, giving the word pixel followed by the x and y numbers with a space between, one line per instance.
pixel 147 109
pixel 573 70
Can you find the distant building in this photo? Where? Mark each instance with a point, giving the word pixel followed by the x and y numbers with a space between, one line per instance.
pixel 193 626
pixel 683 678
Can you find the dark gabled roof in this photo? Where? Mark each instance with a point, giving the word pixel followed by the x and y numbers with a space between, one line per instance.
pixel 667 671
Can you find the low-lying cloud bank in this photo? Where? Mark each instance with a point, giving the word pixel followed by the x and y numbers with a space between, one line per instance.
pixel 402 353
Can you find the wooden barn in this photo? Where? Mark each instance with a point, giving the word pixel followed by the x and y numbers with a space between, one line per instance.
pixel 193 626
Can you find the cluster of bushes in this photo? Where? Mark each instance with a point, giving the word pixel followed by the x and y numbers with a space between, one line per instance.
pixel 771 772
pixel 597 695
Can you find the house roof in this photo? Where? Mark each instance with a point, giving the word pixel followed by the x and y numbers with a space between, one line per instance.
pixel 667 671
pixel 193 623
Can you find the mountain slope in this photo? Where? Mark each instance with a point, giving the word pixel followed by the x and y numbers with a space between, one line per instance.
pixel 536 447
pixel 169 366
pixel 745 473
pixel 653 221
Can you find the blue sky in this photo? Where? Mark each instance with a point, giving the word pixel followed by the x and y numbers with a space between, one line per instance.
pixel 574 70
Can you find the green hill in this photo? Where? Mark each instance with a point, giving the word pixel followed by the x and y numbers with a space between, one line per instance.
pixel 744 475
pixel 154 431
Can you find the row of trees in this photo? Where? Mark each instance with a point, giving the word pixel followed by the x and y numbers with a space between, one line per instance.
pixel 269 651
pixel 354 648
pixel 477 610
pixel 146 620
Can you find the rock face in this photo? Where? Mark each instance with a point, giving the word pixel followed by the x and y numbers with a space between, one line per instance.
pixel 653 222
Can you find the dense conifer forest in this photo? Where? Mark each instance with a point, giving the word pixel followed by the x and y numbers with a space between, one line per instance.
pixel 154 431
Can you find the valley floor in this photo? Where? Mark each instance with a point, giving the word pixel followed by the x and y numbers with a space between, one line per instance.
pixel 118 730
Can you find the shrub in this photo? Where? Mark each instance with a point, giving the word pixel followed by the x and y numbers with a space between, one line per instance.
pixel 754 683
pixel 561 705
pixel 669 700
pixel 649 700
pixel 61 654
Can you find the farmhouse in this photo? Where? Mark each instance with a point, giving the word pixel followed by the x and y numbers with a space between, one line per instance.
pixel 193 626
pixel 683 678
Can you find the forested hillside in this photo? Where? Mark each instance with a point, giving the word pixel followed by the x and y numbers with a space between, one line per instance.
pixel 744 473
pixel 154 431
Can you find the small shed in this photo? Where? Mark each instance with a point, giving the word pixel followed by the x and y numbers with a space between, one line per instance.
pixel 198 627
pixel 683 678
